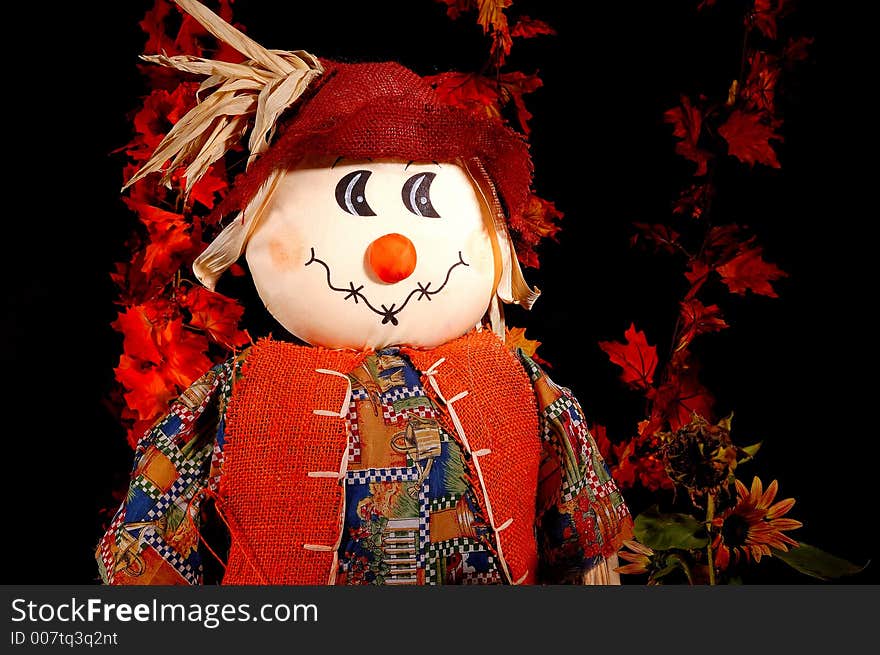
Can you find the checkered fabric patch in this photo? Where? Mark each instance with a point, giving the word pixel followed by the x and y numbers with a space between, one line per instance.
pixel 149 536
pixel 107 541
pixel 424 525
pixel 394 474
pixel 354 435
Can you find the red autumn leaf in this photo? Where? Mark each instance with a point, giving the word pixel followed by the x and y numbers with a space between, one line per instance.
pixel 687 122
pixel 636 357
pixel 749 272
pixel 153 24
pixel 491 15
pixel 661 236
pixel 759 90
pixel 183 354
pixel 540 217
pixel 209 185
pixel 514 86
pixel 697 319
pixel 483 95
pixel 148 392
pixel 767 13
pixel 697 274
pixel 748 138
pixel 137 330
pixel 625 470
pixel 217 315
pixel 470 91
pixel 528 28
pixel 455 8
pixel 161 110
pixel 170 239
pixel 797 49
pixel 681 395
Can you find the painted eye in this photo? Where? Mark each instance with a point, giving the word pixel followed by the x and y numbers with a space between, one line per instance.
pixel 416 195
pixel 351 193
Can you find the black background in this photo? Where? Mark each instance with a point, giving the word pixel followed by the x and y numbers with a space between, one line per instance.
pixel 798 371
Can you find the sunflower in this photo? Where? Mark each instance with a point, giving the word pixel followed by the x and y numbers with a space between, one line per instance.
pixel 640 558
pixel 754 525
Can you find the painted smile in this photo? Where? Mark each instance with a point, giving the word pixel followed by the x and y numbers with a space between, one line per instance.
pixel 387 314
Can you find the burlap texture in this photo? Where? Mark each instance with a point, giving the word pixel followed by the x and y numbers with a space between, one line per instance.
pixel 500 414
pixel 273 440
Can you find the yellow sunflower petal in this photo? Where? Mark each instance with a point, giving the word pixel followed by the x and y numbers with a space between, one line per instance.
pixel 787 524
pixel 780 509
pixel 631 569
pixel 635 546
pixel 757 491
pixel 769 495
pixel 741 490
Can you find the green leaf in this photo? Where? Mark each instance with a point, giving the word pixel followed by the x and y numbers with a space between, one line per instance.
pixel 667 531
pixel 752 450
pixel 817 563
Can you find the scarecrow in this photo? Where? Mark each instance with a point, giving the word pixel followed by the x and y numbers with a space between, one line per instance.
pixel 395 439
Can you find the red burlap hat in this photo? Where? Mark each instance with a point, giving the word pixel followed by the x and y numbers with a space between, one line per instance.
pixel 384 110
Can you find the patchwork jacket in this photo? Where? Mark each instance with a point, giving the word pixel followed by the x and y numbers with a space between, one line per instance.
pixel 463 464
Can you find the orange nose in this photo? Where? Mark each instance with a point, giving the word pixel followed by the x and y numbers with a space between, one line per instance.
pixel 392 257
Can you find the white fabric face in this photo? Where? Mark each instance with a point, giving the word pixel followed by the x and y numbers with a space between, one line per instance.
pixel 310 264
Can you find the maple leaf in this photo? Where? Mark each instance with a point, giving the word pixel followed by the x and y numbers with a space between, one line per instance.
pixel 681 395
pixel 748 138
pixel 514 86
pixel 455 8
pixel 797 49
pixel 516 338
pixel 148 392
pixel 153 25
pixel 759 90
pixel 491 16
pixel 528 28
pixel 698 319
pixel 539 218
pixel 170 239
pixel 183 353
pixel 137 328
pixel 766 13
pixel 661 236
pixel 687 121
pixel 209 185
pixel 636 357
pixel 697 274
pixel 483 95
pixel 470 91
pixel 217 315
pixel 749 272
pixel 160 111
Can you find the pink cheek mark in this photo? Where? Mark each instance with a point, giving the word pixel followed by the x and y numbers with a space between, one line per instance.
pixel 285 253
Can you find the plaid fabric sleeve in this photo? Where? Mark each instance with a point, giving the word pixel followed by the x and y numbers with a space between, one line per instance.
pixel 154 535
pixel 581 517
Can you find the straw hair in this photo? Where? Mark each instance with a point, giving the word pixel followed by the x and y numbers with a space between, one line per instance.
pixel 251 96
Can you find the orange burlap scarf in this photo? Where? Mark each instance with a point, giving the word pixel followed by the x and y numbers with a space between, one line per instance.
pixel 279 494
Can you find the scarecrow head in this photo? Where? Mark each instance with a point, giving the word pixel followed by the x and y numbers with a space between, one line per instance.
pixel 371 213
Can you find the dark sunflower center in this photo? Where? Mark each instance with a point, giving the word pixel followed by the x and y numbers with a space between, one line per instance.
pixel 734 531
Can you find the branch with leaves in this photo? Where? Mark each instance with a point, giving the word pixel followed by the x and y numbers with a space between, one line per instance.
pixel 679 453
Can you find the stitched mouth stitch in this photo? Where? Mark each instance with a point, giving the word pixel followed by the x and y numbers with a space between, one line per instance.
pixel 388 314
